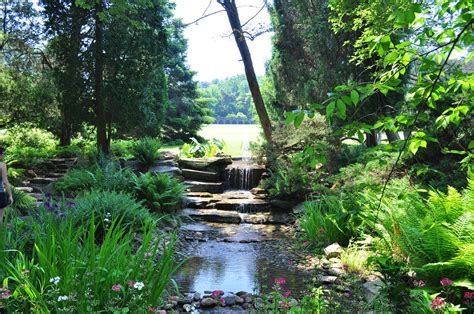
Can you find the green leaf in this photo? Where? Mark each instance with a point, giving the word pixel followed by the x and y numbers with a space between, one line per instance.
pixel 355 97
pixel 330 109
pixel 341 112
pixel 390 58
pixel 299 119
pixel 471 144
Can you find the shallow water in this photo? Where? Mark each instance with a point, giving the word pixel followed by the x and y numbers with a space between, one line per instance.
pixel 234 266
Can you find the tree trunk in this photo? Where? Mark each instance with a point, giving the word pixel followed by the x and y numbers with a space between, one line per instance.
pixel 392 136
pixel 99 109
pixel 70 97
pixel 371 139
pixel 233 15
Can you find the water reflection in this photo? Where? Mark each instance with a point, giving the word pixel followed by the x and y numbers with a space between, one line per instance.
pixel 233 267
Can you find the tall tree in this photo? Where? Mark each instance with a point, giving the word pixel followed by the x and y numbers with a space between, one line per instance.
pixel 234 20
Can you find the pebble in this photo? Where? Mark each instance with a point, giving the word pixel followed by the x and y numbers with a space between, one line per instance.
pixel 185 300
pixel 208 302
pixel 230 300
pixel 239 300
pixel 197 296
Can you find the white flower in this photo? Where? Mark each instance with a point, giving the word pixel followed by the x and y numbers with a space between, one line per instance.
pixel 63 298
pixel 55 280
pixel 138 285
pixel 107 220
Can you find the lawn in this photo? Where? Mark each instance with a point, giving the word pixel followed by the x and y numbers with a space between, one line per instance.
pixel 233 135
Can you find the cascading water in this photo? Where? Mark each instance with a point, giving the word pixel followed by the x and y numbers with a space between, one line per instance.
pixel 246 154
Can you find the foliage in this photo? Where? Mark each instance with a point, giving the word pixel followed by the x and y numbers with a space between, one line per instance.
pixel 22 202
pixel 67 264
pixel 160 192
pixel 354 259
pixel 324 221
pixel 229 96
pixel 107 206
pixel 122 148
pixel 146 151
pixel 100 177
pixel 195 149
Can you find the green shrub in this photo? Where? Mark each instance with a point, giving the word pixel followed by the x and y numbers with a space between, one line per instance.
pixel 28 136
pixel 160 192
pixel 22 202
pixel 195 149
pixel 146 151
pixel 68 269
pixel 106 206
pixel 122 148
pixel 324 221
pixel 435 236
pixel 107 177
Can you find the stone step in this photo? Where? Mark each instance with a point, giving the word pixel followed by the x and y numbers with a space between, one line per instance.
pixel 63 166
pixel 205 164
pixel 231 217
pixel 243 205
pixel 55 175
pixel 36 196
pixel 26 189
pixel 42 180
pixel 198 175
pixel 212 215
pixel 211 187
pixel 63 160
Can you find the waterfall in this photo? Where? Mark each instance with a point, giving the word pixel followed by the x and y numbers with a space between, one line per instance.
pixel 246 154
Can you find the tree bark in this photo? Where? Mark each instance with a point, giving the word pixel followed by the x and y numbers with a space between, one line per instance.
pixel 234 20
pixel 371 139
pixel 99 109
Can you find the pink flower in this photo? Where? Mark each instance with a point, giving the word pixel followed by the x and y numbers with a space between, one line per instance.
pixel 284 305
pixel 446 282
pixel 286 294
pixel 306 243
pixel 321 231
pixel 438 304
pixel 345 267
pixel 116 288
pixel 280 281
pixel 290 262
pixel 217 293
pixel 468 295
pixel 221 301
pixel 5 294
pixel 130 283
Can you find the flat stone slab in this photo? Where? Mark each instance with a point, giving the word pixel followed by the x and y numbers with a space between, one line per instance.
pixel 42 180
pixel 211 187
pixel 205 163
pixel 243 205
pixel 36 196
pixel 213 215
pixel 54 175
pixel 198 175
pixel 266 218
pixel 26 189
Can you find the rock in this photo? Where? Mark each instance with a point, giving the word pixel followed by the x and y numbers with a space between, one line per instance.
pixel 239 300
pixel 237 308
pixel 372 289
pixel 334 250
pixel 249 205
pixel 258 191
pixel 174 171
pixel 185 300
pixel 198 175
pixel 197 296
pixel 281 205
pixel 211 187
pixel 327 279
pixel 213 164
pixel 241 294
pixel 213 215
pixel 299 209
pixel 208 302
pixel 25 189
pixel 230 300
pixel 42 180
pixel 166 163
pixel 248 299
pixel 336 271
pixel 293 303
pixel 187 307
pixel 168 306
pixel 245 306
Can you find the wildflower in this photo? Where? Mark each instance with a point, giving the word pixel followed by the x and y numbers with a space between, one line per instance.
pixel 55 280
pixel 217 293
pixel 280 281
pixel 286 294
pixel 321 231
pixel 345 267
pixel 71 204
pixel 116 288
pixel 446 282
pixel 285 305
pixel 306 243
pixel 222 301
pixel 5 294
pixel 155 310
pixel 468 295
pixel 138 285
pixel 438 304
pixel 290 262
pixel 63 298
pixel 131 283
pixel 347 294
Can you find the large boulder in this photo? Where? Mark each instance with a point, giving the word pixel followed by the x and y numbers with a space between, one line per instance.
pixel 217 164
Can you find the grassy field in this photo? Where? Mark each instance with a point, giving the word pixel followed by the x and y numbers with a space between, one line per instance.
pixel 233 135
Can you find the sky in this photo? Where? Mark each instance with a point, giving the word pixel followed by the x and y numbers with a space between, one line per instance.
pixel 212 53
